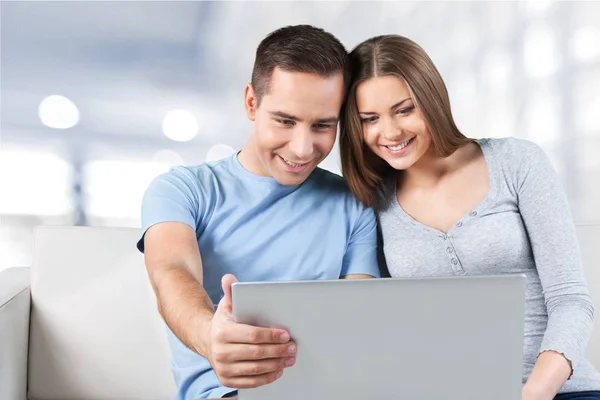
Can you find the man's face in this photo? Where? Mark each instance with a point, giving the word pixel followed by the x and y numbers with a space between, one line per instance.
pixel 295 124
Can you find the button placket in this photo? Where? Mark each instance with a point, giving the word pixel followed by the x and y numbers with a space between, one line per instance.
pixel 472 214
pixel 453 260
pixel 456 265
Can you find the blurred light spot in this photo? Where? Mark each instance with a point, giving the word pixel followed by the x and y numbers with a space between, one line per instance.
pixel 331 9
pixel 395 9
pixel 218 152
pixel 463 87
pixel 537 6
pixel 168 157
pixel 542 115
pixel 465 105
pixel 586 43
pixel 34 183
pixel 497 69
pixel 586 103
pixel 591 117
pixel 589 159
pixel 500 118
pixel 58 112
pixel 499 19
pixel 114 189
pixel 464 41
pixel 180 125
pixel 540 57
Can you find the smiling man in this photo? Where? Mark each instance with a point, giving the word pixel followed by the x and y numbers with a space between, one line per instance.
pixel 266 213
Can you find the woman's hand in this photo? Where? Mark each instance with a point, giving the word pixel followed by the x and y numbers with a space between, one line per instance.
pixel 550 373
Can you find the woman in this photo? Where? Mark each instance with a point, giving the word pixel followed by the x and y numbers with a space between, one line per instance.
pixel 487 206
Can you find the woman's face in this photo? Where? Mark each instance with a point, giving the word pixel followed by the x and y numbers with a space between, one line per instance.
pixel 393 127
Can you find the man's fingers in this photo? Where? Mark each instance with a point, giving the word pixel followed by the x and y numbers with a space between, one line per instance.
pixel 256 368
pixel 226 302
pixel 247 334
pixel 247 382
pixel 248 352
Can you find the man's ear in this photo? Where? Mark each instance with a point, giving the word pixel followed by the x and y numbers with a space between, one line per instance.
pixel 250 102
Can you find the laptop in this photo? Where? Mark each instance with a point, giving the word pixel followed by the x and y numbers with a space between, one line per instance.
pixel 450 338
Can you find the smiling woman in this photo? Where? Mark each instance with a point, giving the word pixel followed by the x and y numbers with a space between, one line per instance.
pixel 449 205
pixel 397 98
pixel 383 132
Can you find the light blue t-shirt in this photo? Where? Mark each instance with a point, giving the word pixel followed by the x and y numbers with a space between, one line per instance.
pixel 258 230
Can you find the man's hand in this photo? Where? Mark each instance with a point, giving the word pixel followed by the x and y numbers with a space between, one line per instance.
pixel 245 356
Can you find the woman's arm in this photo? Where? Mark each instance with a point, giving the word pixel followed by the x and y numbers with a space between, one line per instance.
pixel 548 221
pixel 548 376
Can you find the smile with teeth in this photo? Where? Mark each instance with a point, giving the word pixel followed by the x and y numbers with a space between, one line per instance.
pixel 401 145
pixel 291 164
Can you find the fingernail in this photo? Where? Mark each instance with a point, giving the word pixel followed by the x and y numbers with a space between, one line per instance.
pixel 292 349
pixel 285 337
pixel 290 361
pixel 279 374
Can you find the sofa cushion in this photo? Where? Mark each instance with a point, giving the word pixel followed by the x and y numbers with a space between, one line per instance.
pixel 589 241
pixel 95 329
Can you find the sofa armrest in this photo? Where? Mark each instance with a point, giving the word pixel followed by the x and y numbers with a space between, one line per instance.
pixel 15 303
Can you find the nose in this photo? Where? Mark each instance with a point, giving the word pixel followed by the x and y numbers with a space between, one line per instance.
pixel 391 130
pixel 301 145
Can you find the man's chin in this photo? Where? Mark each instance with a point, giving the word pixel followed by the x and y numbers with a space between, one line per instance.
pixel 289 179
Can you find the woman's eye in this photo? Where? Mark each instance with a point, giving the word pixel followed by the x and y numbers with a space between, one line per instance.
pixel 406 110
pixel 369 120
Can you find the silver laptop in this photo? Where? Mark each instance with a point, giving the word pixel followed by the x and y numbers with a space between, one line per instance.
pixel 454 338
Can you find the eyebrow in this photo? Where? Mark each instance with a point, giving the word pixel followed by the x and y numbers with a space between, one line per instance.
pixel 398 104
pixel 281 114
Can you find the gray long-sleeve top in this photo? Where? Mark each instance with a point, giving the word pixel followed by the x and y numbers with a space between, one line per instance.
pixel 524 225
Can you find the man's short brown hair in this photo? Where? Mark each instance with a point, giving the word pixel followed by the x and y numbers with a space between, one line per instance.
pixel 298 48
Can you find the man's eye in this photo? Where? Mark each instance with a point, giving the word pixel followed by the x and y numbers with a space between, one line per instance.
pixel 287 122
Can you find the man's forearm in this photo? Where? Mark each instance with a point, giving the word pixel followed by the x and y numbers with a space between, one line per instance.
pixel 185 306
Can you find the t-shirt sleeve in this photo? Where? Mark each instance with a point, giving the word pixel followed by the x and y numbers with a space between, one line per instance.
pixel 547 218
pixel 171 197
pixel 361 252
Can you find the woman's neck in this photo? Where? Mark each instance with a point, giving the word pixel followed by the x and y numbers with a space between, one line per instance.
pixel 430 169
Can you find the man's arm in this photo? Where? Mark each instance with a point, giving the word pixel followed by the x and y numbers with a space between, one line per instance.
pixel 360 258
pixel 175 270
pixel 242 356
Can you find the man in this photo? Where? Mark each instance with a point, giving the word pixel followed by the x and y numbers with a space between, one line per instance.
pixel 265 213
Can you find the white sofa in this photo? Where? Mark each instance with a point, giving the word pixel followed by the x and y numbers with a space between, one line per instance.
pixel 82 323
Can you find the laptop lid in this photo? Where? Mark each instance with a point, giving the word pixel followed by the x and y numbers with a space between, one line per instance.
pixel 451 338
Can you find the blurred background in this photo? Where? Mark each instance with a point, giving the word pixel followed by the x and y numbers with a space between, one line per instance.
pixel 97 98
